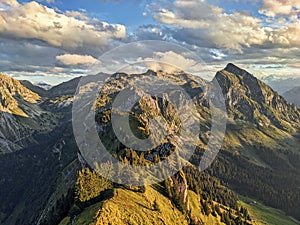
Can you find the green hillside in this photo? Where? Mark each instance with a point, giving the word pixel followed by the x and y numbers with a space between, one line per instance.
pixel 262 214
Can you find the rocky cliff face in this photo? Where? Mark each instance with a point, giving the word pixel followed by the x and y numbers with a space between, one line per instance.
pixel 179 189
pixel 249 99
pixel 257 115
pixel 153 117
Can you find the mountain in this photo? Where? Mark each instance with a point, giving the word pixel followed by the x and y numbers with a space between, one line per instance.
pixel 20 114
pixel 34 88
pixel 43 85
pixel 65 88
pixel 260 153
pixel 46 146
pixel 281 84
pixel 246 94
pixel 153 205
pixel 262 140
pixel 259 159
pixel 262 137
pixel 253 107
pixel 293 96
pixel 12 93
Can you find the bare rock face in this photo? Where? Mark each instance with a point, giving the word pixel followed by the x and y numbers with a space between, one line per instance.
pixel 177 189
pixel 180 186
pixel 247 98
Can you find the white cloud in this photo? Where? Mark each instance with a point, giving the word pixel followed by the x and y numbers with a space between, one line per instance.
pixel 287 35
pixel 204 25
pixel 210 25
pixel 35 21
pixel 170 62
pixel 73 59
pixel 273 8
pixel 189 14
pixel 9 2
pixel 6 4
pixel 76 14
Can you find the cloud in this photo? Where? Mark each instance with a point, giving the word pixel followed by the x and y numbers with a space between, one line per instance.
pixel 36 61
pixel 26 52
pixel 38 42
pixel 76 14
pixel 170 61
pixel 206 25
pixel 167 61
pixel 188 14
pixel 274 8
pixel 34 21
pixel 13 3
pixel 287 35
pixel 48 1
pixel 200 24
pixel 73 59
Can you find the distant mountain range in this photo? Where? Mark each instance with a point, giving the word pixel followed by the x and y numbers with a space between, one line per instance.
pixel 43 85
pixel 260 157
pixel 293 96
pixel 281 84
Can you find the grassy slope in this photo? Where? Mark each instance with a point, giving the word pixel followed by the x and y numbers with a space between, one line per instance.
pixel 129 207
pixel 246 140
pixel 265 215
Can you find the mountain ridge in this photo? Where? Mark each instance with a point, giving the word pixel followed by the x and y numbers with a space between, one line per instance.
pixel 248 95
pixel 21 115
pixel 252 148
pixel 11 93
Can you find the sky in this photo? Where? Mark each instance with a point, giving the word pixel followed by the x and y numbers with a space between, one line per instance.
pixel 56 40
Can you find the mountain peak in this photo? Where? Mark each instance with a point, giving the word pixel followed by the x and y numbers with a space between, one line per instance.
pixel 248 98
pixel 12 92
pixel 231 68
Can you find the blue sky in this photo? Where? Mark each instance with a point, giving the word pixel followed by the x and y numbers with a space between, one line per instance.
pixel 129 13
pixel 56 40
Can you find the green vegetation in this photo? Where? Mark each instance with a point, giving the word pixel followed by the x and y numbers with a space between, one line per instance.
pixel 262 214
pixel 89 185
pixel 129 207
pixel 65 221
pixel 168 203
pixel 88 215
